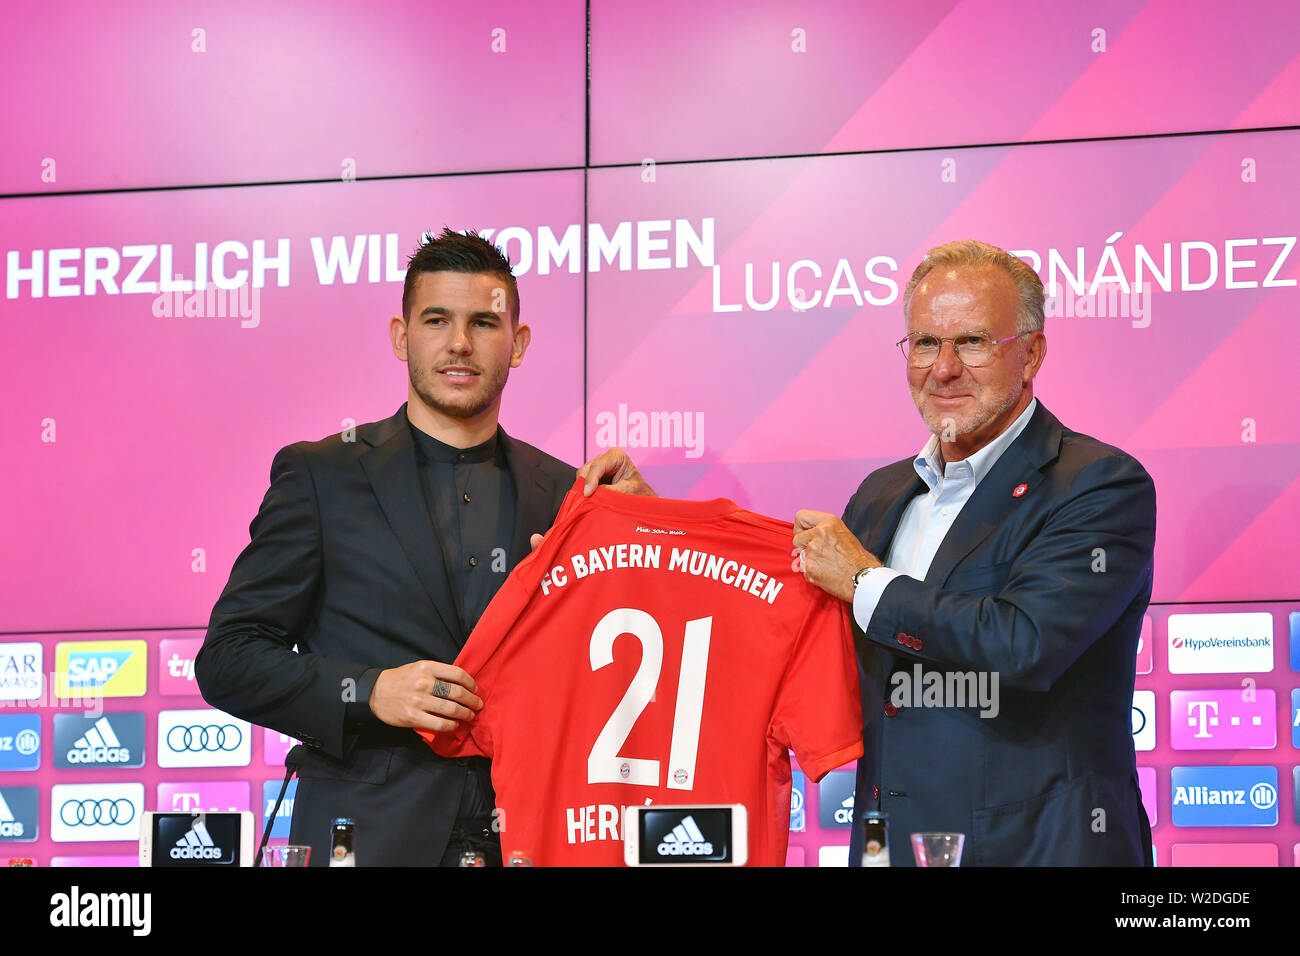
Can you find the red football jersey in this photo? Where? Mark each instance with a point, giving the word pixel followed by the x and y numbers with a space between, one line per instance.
pixel 654 651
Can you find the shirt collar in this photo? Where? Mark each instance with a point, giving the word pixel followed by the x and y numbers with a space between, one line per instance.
pixel 435 450
pixel 977 465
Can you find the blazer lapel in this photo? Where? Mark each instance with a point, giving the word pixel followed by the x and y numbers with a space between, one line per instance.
pixel 1020 464
pixel 390 466
pixel 536 494
pixel 881 531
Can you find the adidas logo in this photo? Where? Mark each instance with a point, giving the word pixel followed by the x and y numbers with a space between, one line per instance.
pixel 685 840
pixel 99 744
pixel 196 844
pixel 9 827
pixel 844 814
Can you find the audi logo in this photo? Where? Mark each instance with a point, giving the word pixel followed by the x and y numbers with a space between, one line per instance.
pixel 92 812
pixel 199 738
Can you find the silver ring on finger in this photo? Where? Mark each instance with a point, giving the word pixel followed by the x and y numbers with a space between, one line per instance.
pixel 442 689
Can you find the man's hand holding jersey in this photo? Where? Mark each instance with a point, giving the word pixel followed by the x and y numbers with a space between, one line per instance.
pixel 426 695
pixel 830 552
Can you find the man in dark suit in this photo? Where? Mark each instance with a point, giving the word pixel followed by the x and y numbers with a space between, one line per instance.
pixel 374 554
pixel 999 580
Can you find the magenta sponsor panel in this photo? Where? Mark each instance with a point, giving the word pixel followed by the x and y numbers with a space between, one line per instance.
pixel 1144 654
pixel 847 75
pixel 245 93
pixel 176 666
pixel 1224 854
pixel 1223 719
pixel 1150 792
pixel 744 323
pixel 206 795
pixel 96 860
pixel 204 386
pixel 275 746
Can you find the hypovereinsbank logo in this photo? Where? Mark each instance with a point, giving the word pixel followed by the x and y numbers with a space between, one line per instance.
pixel 1220 643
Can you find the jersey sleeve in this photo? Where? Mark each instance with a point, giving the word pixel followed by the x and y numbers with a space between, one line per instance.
pixel 483 654
pixel 818 711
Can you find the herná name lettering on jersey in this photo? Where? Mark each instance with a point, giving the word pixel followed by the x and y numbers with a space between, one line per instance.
pixel 686 560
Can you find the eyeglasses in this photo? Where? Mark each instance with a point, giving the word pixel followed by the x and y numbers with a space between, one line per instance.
pixel 974 349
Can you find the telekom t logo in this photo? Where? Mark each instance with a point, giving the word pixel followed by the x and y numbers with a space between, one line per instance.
pixel 1203 714
pixel 1226 719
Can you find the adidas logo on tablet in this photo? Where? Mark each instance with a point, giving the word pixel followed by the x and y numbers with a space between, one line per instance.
pixel 685 840
pixel 196 844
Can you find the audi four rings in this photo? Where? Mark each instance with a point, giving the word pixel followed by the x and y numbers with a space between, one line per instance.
pixel 198 738
pixel 101 811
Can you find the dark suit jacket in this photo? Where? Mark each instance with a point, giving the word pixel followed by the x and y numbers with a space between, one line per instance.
pixel 1016 588
pixel 343 563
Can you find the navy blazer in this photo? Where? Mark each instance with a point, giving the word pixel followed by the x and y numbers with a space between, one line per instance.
pixel 1046 588
pixel 343 563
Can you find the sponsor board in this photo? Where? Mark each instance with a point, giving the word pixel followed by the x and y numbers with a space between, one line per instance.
pixel 102 668
pixel 22 671
pixel 835 799
pixel 1238 642
pixel 95 743
pixel 203 738
pixel 93 812
pixel 1222 719
pixel 20 742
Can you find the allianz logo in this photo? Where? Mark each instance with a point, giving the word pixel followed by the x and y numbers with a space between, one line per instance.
pixel 685 840
pixel 196 844
pixel 99 744
pixel 1262 796
pixel 26 742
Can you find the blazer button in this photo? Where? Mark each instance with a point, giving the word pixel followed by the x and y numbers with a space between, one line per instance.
pixel 890 708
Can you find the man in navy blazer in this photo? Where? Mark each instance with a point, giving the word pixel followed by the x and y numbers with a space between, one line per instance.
pixel 999 580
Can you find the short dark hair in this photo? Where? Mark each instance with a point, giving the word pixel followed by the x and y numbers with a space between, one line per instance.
pixel 466 252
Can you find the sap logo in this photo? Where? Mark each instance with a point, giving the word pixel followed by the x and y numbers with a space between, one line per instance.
pixel 94 669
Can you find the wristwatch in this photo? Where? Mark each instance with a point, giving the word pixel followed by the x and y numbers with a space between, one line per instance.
pixel 862 575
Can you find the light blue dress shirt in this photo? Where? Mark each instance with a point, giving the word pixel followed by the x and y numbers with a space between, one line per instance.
pixel 928 517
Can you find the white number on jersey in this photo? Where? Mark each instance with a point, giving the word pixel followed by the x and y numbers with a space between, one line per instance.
pixel 604 763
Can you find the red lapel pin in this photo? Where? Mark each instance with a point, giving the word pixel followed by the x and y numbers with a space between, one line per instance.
pixel 1019 490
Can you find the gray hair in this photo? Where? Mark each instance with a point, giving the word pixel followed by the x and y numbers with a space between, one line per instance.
pixel 971 252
